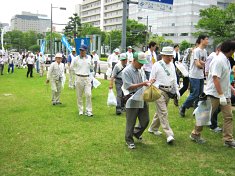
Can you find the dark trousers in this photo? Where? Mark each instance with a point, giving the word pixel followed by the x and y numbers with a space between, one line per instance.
pixel 95 67
pixel 11 66
pixel 147 74
pixel 131 115
pixel 113 64
pixel 30 70
pixel 118 85
pixel 185 85
pixel 1 68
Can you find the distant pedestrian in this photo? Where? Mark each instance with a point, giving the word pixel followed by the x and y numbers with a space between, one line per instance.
pixel 30 63
pixel 11 64
pixel 129 55
pixel 71 57
pixel 42 61
pixel 1 63
pixel 96 61
pixel 113 58
pixel 56 75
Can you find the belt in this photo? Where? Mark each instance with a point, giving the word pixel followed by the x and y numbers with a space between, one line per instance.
pixel 83 75
pixel 166 87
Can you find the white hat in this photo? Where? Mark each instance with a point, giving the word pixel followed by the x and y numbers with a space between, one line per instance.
pixel 168 50
pixel 58 55
pixel 73 49
pixel 32 54
pixel 117 50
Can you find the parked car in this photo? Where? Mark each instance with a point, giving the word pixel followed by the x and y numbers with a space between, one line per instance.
pixel 48 58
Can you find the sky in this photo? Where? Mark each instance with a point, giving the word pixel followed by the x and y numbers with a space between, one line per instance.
pixel 9 8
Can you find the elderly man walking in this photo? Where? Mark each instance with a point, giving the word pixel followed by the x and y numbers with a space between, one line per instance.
pixel 82 65
pixel 219 90
pixel 55 74
pixel 164 75
pixel 134 79
pixel 71 57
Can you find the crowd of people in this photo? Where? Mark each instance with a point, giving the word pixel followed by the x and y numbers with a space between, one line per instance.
pixel 132 72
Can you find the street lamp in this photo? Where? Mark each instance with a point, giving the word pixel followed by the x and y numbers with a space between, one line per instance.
pixel 61 8
pixel 147 27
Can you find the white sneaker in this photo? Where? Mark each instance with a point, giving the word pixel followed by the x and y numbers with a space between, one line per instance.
pixel 131 146
pixel 80 113
pixel 89 114
pixel 170 139
pixel 157 133
pixel 217 130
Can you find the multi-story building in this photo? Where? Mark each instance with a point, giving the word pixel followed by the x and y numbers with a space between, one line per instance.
pixel 30 22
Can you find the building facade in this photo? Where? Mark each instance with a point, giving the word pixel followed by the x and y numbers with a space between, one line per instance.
pixel 31 22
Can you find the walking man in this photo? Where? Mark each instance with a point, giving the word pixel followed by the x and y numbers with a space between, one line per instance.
pixel 219 90
pixel 71 57
pixel 82 65
pixel 30 63
pixel 11 64
pixel 117 76
pixel 42 62
pixel 1 63
pixel 55 74
pixel 113 58
pixel 196 74
pixel 164 75
pixel 129 54
pixel 96 60
pixel 134 79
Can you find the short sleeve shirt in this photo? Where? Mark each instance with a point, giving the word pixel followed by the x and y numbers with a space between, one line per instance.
pixel 117 73
pixel 219 67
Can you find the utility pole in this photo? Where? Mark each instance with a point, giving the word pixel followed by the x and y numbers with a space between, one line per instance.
pixel 124 19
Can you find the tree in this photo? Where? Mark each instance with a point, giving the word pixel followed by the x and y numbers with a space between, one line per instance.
pixel 14 40
pixel 219 24
pixel 34 48
pixel 184 45
pixel 161 41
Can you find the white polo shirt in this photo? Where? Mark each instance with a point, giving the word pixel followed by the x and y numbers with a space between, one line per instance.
pixel 219 67
pixel 82 66
pixel 30 60
pixel 164 74
pixel 113 58
pixel 96 58
pixel 129 56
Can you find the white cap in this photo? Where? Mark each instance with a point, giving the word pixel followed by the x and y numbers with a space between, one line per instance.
pixel 58 55
pixel 117 50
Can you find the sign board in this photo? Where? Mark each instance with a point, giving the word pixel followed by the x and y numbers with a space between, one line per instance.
pixel 161 5
pixel 82 41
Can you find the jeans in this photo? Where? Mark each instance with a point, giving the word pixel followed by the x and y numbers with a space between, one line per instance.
pixel 12 68
pixel 196 88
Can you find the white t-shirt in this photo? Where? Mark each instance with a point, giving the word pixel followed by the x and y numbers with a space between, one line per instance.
pixel 82 66
pixel 219 67
pixel 96 58
pixel 164 75
pixel 129 56
pixel 208 61
pixel 30 60
pixel 195 72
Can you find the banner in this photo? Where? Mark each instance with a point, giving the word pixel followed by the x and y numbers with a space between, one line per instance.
pixel 42 47
pixel 66 43
pixel 82 41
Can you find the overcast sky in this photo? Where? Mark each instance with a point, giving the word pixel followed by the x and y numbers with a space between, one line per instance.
pixel 9 8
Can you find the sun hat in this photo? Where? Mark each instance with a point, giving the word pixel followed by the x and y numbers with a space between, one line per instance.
pixel 59 55
pixel 168 50
pixel 140 57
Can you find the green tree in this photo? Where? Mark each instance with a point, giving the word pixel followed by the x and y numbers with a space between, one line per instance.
pixel 34 48
pixel 30 38
pixel 14 40
pixel 161 41
pixel 184 45
pixel 219 24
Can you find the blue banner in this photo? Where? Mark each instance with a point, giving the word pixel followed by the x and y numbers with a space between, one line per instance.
pixel 66 43
pixel 42 47
pixel 82 41
pixel 163 1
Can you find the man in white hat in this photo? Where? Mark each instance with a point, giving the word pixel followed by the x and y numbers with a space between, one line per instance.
pixel 134 78
pixel 71 71
pixel 1 63
pixel 42 62
pixel 163 73
pixel 117 76
pixel 30 63
pixel 96 60
pixel 55 74
pixel 113 58
pixel 82 65
pixel 129 54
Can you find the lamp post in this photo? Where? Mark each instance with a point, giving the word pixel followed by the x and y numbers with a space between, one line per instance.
pixel 147 27
pixel 61 8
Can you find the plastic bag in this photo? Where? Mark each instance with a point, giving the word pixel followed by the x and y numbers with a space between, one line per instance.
pixel 109 72
pixel 151 94
pixel 203 113
pixel 112 101
pixel 96 83
pixel 182 68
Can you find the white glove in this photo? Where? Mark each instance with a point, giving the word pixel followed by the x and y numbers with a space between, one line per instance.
pixel 178 94
pixel 222 100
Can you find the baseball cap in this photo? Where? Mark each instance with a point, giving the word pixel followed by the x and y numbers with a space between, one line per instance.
pixel 123 56
pixel 141 57
pixel 58 55
pixel 73 49
pixel 129 47
pixel 168 50
pixel 117 50
pixel 83 47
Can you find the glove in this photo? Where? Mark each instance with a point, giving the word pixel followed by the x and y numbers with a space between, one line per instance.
pixel 222 100
pixel 178 95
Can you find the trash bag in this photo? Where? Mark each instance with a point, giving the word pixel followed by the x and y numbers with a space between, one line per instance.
pixel 96 83
pixel 203 113
pixel 151 94
pixel 180 66
pixel 112 101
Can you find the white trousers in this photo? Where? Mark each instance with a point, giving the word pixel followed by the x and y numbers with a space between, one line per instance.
pixel 83 84
pixel 56 89
pixel 71 78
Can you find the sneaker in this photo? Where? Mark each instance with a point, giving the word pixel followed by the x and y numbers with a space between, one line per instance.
pixel 217 130
pixel 89 114
pixel 58 103
pixel 119 112
pixel 80 113
pixel 182 111
pixel 157 133
pixel 131 146
pixel 176 102
pixel 197 139
pixel 54 103
pixel 170 139
pixel 229 144
pixel 140 139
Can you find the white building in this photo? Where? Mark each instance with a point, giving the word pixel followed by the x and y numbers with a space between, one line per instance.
pixel 30 22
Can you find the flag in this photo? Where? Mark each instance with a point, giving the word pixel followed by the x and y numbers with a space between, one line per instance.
pixel 42 47
pixel 66 43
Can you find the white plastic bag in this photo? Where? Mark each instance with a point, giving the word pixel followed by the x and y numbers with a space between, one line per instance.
pixel 96 83
pixel 182 68
pixel 109 72
pixel 203 113
pixel 112 101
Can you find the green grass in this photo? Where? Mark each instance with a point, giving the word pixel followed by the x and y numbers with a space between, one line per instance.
pixel 37 138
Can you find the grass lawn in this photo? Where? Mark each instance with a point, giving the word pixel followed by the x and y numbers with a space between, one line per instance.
pixel 37 138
